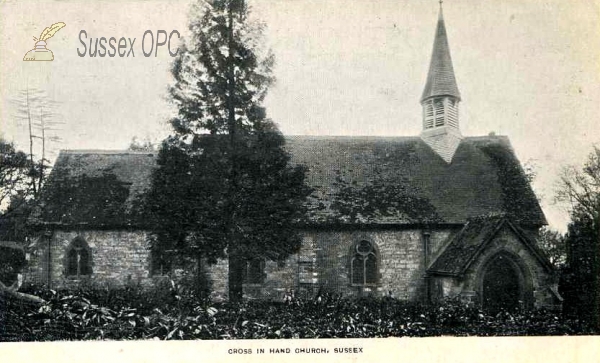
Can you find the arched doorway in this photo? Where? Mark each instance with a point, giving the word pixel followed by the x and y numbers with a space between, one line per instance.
pixel 502 284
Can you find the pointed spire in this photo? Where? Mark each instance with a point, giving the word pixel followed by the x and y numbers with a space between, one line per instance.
pixel 440 80
pixel 440 99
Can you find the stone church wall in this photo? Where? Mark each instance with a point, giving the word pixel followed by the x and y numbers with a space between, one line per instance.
pixel 295 274
pixel 118 258
pixel 401 266
pixel 323 264
pixel 122 258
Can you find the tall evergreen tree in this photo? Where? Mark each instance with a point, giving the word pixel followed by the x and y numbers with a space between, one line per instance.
pixel 581 281
pixel 224 186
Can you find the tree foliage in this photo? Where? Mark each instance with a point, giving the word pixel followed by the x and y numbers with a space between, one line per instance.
pixel 554 245
pixel 23 173
pixel 222 74
pixel 581 188
pixel 15 172
pixel 382 199
pixel 517 194
pixel 18 175
pixel 224 185
pixel 581 282
pixel 160 314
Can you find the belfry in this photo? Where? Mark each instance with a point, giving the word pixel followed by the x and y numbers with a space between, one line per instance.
pixel 440 98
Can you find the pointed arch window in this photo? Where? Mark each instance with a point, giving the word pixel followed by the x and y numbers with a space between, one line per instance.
pixel 364 264
pixel 79 259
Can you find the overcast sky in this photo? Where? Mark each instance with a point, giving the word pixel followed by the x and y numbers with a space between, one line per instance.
pixel 525 69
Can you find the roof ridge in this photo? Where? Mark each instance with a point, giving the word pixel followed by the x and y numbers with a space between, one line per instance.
pixel 353 136
pixel 105 151
pixel 305 137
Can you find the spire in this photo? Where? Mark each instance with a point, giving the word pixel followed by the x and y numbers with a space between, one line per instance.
pixel 440 99
pixel 440 80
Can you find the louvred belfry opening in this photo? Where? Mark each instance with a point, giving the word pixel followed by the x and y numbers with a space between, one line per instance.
pixel 440 98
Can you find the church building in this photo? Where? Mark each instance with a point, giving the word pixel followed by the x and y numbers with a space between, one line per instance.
pixel 420 218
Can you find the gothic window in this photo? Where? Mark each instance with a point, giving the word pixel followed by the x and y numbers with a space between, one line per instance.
pixel 79 259
pixel 364 265
pixel 255 271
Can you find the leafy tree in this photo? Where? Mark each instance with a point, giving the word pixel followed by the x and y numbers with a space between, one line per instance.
pixel 15 168
pixel 18 174
pixel 224 186
pixel 554 244
pixel 581 283
pixel 15 188
pixel 22 176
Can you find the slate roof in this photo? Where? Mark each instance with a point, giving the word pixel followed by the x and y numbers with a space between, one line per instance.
pixel 367 174
pixel 484 177
pixel 465 246
pixel 97 187
pixel 440 80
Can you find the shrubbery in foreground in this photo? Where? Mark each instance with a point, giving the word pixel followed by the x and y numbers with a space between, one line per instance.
pixel 131 314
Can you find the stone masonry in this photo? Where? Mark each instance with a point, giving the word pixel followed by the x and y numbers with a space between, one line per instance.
pixel 118 258
pixel 323 264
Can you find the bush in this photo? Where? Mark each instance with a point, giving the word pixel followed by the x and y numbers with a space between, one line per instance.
pixel 131 314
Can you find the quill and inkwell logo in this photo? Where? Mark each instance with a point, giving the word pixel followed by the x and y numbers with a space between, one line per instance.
pixel 40 52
